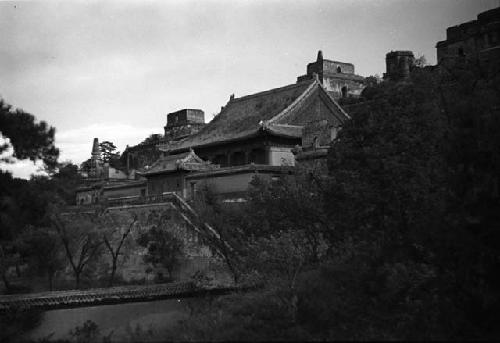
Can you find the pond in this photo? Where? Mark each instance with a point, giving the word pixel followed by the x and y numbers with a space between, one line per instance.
pixel 145 321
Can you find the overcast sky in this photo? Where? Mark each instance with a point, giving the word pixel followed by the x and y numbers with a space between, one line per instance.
pixel 114 69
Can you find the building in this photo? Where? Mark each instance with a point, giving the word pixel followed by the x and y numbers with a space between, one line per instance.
pixel 476 41
pixel 103 191
pixel 168 173
pixel 180 124
pixel 338 78
pixel 252 135
pixel 398 65
pixel 183 123
pixel 256 134
pixel 95 161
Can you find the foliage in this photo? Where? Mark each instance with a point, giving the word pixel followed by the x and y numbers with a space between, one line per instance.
pixel 31 140
pixel 85 166
pixel 9 257
pixel 407 225
pixel 289 205
pixel 253 316
pixel 109 153
pixel 88 332
pixel 164 249
pixel 420 62
pixel 43 251
pixel 24 204
pixel 115 228
pixel 230 241
pixel 17 321
pixel 399 186
pixel 80 239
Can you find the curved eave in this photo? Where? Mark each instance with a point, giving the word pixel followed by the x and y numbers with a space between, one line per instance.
pixel 247 135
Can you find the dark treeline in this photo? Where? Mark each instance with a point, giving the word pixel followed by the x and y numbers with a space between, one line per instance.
pixel 400 241
pixel 25 204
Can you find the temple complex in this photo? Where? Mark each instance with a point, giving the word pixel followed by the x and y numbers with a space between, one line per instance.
pixel 259 134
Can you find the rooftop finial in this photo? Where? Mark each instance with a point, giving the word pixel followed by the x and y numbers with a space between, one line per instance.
pixel 320 55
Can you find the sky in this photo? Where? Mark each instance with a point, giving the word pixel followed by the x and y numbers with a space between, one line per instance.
pixel 114 69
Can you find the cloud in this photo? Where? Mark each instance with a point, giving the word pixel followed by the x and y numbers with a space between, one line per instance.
pixel 19 168
pixel 23 169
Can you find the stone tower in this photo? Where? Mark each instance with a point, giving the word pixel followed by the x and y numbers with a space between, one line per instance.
pixel 398 65
pixel 338 78
pixel 183 123
pixel 95 160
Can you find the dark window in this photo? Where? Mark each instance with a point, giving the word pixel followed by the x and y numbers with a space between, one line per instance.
pixel 258 156
pixel 220 159
pixel 315 142
pixel 344 92
pixel 193 189
pixel 238 158
pixel 339 70
pixel 461 52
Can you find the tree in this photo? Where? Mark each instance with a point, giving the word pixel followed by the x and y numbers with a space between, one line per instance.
pixel 108 151
pixel 12 221
pixel 66 181
pixel 43 251
pixel 79 238
pixel 421 62
pixel 413 189
pixel 29 139
pixel 290 204
pixel 225 234
pixel 8 257
pixel 116 229
pixel 85 166
pixel 163 248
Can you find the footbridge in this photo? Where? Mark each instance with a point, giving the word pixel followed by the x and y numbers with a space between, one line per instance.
pixel 106 296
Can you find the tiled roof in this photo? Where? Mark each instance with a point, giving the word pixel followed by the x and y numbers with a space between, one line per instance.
pixel 243 117
pixel 184 161
pixel 125 184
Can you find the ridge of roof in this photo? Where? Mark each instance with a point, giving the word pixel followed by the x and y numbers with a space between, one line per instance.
pixel 336 104
pixel 269 91
pixel 302 97
pixel 295 103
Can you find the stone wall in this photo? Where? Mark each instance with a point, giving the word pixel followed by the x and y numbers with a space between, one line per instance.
pixel 476 42
pixel 319 133
pixel 196 254
pixel 173 182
